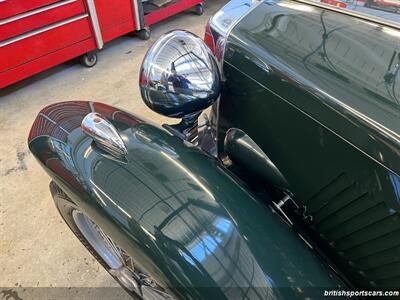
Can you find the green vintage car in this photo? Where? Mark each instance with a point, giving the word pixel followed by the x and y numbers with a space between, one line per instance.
pixel 281 181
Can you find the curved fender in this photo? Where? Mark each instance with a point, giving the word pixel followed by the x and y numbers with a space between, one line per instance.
pixel 176 210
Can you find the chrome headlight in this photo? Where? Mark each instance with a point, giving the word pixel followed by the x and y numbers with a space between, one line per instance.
pixel 179 76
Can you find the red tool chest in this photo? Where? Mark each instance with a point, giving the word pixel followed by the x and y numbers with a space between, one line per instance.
pixel 149 16
pixel 37 35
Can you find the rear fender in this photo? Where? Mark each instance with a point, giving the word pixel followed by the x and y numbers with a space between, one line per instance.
pixel 178 211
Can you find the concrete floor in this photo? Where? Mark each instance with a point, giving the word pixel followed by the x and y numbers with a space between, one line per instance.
pixel 36 247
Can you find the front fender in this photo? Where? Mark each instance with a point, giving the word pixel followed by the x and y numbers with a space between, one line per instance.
pixel 179 212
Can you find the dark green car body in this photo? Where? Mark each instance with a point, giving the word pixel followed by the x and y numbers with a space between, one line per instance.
pixel 315 85
pixel 206 230
pixel 195 226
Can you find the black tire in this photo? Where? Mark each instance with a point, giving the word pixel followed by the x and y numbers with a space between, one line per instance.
pixel 144 34
pixel 199 9
pixel 65 206
pixel 89 59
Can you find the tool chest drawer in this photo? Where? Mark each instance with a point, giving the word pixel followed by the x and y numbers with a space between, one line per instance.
pixel 113 13
pixel 25 22
pixel 37 43
pixel 9 8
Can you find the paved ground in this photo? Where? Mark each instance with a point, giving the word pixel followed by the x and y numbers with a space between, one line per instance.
pixel 36 247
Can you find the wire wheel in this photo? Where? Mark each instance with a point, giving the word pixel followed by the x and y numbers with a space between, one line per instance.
pixel 120 265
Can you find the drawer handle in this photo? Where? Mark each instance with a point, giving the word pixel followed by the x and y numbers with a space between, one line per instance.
pixel 35 11
pixel 40 30
pixel 95 23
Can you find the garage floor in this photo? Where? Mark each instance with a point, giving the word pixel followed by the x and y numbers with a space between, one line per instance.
pixel 36 247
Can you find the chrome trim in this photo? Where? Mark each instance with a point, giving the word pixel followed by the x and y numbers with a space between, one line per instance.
pixel 41 30
pixel 95 24
pixel 221 44
pixel 221 60
pixel 136 15
pixel 104 134
pixel 365 17
pixel 243 16
pixel 232 18
pixel 179 78
pixel 36 11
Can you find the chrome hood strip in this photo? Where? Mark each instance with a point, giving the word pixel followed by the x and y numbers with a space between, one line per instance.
pixel 231 14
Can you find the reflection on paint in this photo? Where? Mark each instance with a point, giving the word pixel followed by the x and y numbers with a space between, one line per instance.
pixel 205 247
pixel 396 185
pixel 207 244
pixel 65 154
pixel 184 169
pixel 187 258
pixel 300 7
pixel 223 225
pixel 99 190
